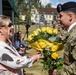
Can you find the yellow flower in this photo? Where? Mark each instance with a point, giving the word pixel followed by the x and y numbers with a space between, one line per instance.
pixel 38 29
pixel 54 47
pixel 50 44
pixel 54 55
pixel 42 44
pixel 36 46
pixel 43 29
pixel 29 38
pixel 35 33
pixel 55 31
pixel 49 30
pixel 42 40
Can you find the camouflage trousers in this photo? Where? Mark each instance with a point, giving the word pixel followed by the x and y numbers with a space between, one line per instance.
pixel 68 69
pixel 64 72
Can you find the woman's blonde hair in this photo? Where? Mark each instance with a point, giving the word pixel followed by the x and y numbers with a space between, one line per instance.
pixel 4 21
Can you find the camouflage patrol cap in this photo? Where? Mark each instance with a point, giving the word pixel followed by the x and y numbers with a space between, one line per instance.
pixel 66 6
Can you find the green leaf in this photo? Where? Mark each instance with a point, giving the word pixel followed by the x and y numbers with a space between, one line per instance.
pixel 59 67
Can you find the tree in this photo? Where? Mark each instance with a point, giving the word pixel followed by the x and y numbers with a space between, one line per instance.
pixel 29 4
pixel 48 5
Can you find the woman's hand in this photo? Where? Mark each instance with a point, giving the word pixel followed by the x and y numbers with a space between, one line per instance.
pixel 37 57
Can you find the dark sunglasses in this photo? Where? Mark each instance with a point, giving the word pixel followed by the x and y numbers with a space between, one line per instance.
pixel 59 8
pixel 10 24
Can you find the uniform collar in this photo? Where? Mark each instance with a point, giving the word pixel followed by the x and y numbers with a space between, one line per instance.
pixel 71 26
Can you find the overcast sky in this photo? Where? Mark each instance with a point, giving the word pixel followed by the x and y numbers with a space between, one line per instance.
pixel 54 2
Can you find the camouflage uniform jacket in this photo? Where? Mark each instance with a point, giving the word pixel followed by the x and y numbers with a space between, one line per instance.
pixel 69 67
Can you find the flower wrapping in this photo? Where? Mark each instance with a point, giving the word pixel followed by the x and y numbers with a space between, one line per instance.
pixel 46 41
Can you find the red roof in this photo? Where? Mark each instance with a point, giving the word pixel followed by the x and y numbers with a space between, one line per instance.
pixel 48 11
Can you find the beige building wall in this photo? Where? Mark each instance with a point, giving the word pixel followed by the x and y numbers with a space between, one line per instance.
pixel 22 17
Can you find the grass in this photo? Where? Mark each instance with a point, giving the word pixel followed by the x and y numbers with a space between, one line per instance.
pixel 37 68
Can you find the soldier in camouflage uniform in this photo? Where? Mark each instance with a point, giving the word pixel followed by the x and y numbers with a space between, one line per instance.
pixel 67 18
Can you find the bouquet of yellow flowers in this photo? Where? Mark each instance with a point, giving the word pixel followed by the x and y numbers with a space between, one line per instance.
pixel 46 41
